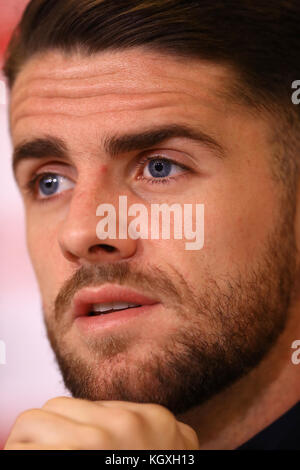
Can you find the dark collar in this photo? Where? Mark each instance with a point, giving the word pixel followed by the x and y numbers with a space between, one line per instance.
pixel 283 434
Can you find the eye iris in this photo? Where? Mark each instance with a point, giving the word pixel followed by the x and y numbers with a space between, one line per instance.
pixel 49 185
pixel 160 168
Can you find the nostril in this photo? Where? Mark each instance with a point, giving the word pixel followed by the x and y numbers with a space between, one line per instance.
pixel 102 247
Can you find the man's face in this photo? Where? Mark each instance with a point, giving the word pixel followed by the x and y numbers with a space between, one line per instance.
pixel 215 311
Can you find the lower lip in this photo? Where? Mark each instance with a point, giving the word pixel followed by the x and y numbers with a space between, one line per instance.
pixel 108 320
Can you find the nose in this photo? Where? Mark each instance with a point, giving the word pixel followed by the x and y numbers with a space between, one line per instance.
pixel 78 238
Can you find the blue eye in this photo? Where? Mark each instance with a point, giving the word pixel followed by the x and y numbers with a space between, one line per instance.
pixel 51 184
pixel 161 168
pixel 48 185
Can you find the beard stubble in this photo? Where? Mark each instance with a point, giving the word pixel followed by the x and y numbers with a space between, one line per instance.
pixel 228 326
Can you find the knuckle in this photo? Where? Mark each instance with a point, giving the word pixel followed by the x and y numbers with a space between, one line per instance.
pixel 163 414
pixel 189 435
pixel 193 439
pixel 54 403
pixel 130 419
pixel 165 419
pixel 22 425
pixel 27 415
pixel 92 437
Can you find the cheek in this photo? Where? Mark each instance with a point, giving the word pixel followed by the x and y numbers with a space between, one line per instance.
pixel 236 229
pixel 47 260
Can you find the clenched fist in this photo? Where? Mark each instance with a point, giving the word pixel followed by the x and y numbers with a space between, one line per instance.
pixel 69 423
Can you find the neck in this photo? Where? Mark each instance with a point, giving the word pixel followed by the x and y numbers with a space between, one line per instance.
pixel 248 406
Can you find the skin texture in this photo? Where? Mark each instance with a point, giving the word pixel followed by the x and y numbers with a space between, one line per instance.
pixel 242 280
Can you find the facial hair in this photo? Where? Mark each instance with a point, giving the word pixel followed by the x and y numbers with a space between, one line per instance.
pixel 227 325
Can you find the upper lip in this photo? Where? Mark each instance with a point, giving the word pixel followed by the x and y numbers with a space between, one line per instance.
pixel 84 299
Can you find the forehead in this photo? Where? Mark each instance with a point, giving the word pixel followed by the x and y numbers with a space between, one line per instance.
pixel 136 82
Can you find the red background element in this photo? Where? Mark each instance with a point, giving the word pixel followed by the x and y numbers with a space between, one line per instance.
pixel 30 376
pixel 10 13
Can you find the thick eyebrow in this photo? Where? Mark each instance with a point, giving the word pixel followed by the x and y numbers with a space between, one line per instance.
pixel 117 145
pixel 39 148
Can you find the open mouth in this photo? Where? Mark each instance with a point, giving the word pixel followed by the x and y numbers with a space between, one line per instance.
pixel 96 308
pixel 109 307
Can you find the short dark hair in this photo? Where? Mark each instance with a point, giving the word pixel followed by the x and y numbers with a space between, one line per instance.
pixel 259 39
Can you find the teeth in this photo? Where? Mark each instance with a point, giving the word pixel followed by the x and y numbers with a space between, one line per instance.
pixel 120 305
pixel 102 307
pixel 105 307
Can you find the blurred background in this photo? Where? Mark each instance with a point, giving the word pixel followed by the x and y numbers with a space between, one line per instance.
pixel 29 376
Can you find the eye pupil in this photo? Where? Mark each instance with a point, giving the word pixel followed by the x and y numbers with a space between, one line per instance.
pixel 48 185
pixel 160 168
